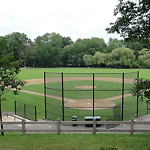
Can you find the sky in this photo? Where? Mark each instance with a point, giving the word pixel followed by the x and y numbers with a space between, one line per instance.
pixel 74 18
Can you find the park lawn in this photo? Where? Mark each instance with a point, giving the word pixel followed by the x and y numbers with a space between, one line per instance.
pixel 35 100
pixel 36 73
pixel 75 142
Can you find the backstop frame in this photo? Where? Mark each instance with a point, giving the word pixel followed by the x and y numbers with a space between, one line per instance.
pixel 93 92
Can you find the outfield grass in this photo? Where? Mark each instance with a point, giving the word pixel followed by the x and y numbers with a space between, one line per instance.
pixel 75 142
pixel 36 73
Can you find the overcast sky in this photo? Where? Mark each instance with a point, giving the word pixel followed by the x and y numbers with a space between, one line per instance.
pixel 74 18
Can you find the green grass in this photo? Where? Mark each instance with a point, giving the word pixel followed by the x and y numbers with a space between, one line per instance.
pixel 8 105
pixel 75 142
pixel 35 73
pixel 77 93
pixel 129 103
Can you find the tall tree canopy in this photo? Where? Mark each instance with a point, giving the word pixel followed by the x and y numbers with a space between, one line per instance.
pixel 9 68
pixel 54 50
pixel 19 45
pixel 141 88
pixel 133 22
pixel 47 50
pixel 144 58
pixel 73 54
pixel 122 57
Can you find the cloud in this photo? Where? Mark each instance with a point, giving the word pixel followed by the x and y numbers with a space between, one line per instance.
pixel 74 18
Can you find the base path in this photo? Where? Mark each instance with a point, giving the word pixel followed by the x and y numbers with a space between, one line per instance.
pixel 52 80
pixel 84 103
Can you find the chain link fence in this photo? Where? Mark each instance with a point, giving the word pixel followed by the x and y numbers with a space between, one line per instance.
pixel 91 94
pixel 25 110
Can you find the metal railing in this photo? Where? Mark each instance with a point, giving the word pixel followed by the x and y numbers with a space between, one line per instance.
pixel 25 110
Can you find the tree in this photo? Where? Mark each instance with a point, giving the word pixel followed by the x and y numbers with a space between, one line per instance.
pixel 87 60
pixel 122 57
pixel 99 58
pixel 47 50
pixel 136 46
pixel 144 58
pixel 66 41
pixel 112 44
pixel 133 22
pixel 141 88
pixel 19 44
pixel 9 68
pixel 73 53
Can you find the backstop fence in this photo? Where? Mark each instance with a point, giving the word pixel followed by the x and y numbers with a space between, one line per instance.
pixel 25 110
pixel 91 94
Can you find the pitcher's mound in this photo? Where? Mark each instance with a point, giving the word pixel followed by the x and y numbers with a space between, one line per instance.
pixel 85 87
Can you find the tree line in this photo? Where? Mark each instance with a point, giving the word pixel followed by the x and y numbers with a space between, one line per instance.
pixel 55 50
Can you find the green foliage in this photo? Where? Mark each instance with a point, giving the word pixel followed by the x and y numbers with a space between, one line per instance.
pixel 87 60
pixel 73 54
pixel 122 57
pixel 99 58
pixel 144 58
pixel 9 68
pixel 112 44
pixel 54 50
pixel 141 88
pixel 137 46
pixel 19 45
pixel 47 50
pixel 133 22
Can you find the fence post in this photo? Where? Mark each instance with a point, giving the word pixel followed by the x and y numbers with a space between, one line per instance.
pixel 24 110
pixel 137 97
pixel 62 90
pixel 93 97
pixel 23 127
pixel 132 127
pixel 122 96
pixel 58 126
pixel 35 113
pixel 15 108
pixel 94 125
pixel 45 100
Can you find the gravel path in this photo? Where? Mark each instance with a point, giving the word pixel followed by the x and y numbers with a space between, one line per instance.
pixel 70 127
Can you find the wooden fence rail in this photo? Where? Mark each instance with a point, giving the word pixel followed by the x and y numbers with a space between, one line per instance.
pixel 95 126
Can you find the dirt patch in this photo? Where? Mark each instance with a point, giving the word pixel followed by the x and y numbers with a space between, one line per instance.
pixel 34 81
pixel 85 104
pixel 52 80
pixel 85 87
